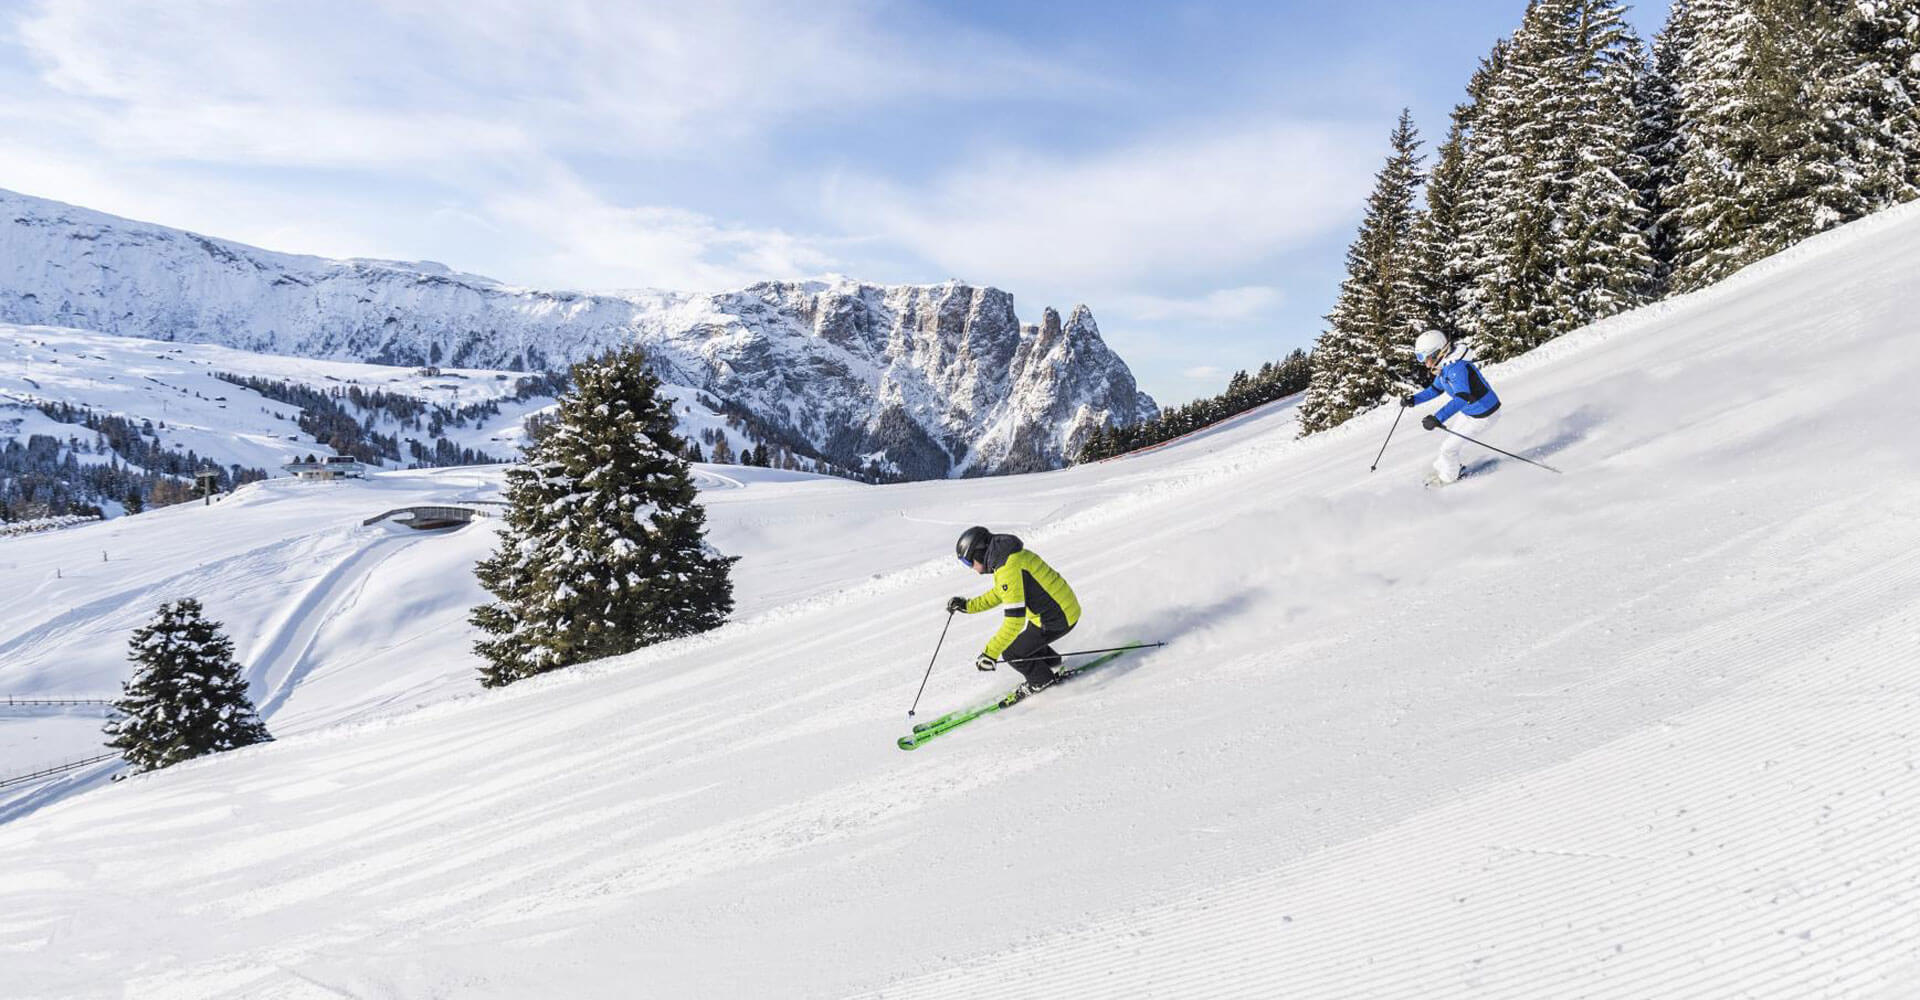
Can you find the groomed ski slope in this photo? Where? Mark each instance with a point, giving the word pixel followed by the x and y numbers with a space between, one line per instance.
pixel 335 620
pixel 1643 730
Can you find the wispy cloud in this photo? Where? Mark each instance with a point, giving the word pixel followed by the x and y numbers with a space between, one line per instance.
pixel 493 104
pixel 1222 305
pixel 604 143
pixel 235 80
pixel 1179 204
pixel 599 243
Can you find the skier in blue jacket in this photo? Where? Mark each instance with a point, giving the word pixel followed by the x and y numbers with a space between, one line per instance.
pixel 1454 376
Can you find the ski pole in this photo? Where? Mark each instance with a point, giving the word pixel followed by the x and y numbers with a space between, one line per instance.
pixel 1383 444
pixel 1509 454
pixel 936 655
pixel 1089 652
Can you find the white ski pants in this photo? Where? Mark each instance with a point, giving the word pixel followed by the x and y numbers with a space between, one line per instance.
pixel 1446 467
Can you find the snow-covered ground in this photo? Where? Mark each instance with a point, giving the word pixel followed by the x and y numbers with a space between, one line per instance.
pixel 1646 729
pixel 358 619
pixel 174 385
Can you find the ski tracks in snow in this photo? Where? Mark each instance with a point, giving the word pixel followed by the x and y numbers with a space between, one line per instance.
pixel 281 661
pixel 1778 862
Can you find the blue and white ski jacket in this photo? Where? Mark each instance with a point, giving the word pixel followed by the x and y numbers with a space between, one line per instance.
pixel 1470 391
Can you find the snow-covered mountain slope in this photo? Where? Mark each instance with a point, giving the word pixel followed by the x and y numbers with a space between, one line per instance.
pixel 1644 729
pixel 336 620
pixel 176 387
pixel 184 399
pixel 923 381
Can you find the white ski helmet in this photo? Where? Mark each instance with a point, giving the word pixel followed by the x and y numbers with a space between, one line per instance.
pixel 1430 344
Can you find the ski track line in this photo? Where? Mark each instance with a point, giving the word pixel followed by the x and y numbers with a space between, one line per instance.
pixel 199 580
pixel 1565 903
pixel 280 662
pixel 1106 502
pixel 1648 675
pixel 31 798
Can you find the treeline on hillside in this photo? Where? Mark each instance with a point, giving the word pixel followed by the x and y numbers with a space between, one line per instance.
pixel 47 476
pixel 333 417
pixel 1244 392
pixel 1582 177
pixel 790 450
pixel 720 452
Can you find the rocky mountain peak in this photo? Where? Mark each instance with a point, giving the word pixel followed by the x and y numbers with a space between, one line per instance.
pixel 916 381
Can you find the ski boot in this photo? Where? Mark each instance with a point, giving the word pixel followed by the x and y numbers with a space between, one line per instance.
pixel 1029 687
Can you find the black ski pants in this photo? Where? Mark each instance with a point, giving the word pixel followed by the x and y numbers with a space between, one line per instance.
pixel 1034 646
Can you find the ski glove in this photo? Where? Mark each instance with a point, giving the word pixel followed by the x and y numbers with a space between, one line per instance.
pixel 1407 400
pixel 955 605
pixel 1429 422
pixel 985 662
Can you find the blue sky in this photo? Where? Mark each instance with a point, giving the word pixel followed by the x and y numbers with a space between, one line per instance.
pixel 1192 172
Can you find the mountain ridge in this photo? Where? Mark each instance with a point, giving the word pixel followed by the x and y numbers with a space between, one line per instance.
pixel 910 381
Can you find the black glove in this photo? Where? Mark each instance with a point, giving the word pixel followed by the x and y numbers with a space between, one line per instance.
pixel 955 605
pixel 1407 400
pixel 985 662
pixel 1429 422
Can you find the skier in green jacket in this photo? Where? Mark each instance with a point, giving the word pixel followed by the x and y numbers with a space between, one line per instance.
pixel 1037 606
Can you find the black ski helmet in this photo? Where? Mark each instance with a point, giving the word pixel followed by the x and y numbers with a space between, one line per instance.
pixel 972 546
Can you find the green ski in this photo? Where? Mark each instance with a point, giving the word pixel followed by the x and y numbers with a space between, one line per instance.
pixel 953 720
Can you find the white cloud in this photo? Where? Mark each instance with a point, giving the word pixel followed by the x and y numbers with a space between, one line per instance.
pixel 595 243
pixel 1222 305
pixel 545 228
pixel 495 119
pixel 374 82
pixel 1179 204
pixel 1203 372
pixel 496 135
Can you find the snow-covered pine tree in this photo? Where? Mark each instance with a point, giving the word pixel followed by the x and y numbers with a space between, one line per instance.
pixel 1504 245
pixel 1710 37
pixel 1523 172
pixel 1435 230
pixel 604 548
pixel 1806 177
pixel 1364 349
pixel 1606 261
pixel 1660 143
pixel 1551 224
pixel 187 698
pixel 1775 117
pixel 1876 88
pixel 1445 264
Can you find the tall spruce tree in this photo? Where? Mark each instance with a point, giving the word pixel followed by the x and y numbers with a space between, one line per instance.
pixel 1606 260
pixel 1551 218
pixel 1875 88
pixel 1807 179
pixel 1713 138
pixel 187 698
pixel 1435 230
pixel 1775 119
pixel 1444 269
pixel 1521 173
pixel 604 547
pixel 1364 348
pixel 1660 142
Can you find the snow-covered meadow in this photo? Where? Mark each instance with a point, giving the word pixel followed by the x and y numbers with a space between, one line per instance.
pixel 1646 729
pixel 175 386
